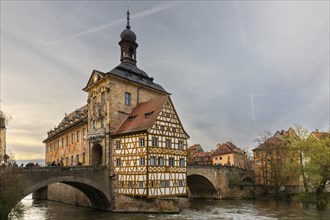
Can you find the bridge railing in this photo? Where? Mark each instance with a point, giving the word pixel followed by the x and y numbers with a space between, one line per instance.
pixel 217 166
pixel 54 168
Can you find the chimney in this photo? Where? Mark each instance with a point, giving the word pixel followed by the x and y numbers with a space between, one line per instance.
pixel 218 146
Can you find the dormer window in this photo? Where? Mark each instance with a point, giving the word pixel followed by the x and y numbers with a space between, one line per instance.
pixel 148 114
pixel 131 118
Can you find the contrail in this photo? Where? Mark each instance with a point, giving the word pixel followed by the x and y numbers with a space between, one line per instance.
pixel 158 8
pixel 252 108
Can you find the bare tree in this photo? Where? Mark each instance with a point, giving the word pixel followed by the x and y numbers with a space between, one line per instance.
pixel 272 161
pixel 260 157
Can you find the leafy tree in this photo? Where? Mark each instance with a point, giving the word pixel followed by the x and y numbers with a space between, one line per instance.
pixel 10 193
pixel 318 166
pixel 299 151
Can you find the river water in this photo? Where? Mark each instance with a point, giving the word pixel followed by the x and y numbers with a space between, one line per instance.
pixel 194 209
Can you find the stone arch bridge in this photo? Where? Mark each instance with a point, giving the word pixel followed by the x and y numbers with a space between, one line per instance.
pixel 219 182
pixel 93 181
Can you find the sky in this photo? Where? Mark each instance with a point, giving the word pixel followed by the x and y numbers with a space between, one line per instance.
pixel 234 68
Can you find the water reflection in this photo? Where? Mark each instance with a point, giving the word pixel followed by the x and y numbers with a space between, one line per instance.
pixel 194 209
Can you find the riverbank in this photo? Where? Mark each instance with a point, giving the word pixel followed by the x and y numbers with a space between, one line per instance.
pixel 313 198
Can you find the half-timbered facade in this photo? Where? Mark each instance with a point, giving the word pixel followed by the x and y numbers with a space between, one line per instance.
pixel 151 151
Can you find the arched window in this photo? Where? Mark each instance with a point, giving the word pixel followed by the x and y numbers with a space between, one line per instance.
pixel 131 52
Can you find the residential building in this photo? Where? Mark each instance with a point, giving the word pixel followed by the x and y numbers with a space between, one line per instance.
pixel 319 135
pixel 196 155
pixel 271 158
pixel 230 155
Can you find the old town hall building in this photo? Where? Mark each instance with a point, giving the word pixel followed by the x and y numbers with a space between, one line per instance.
pixel 129 124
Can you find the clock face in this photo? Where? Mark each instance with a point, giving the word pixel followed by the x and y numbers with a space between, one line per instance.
pixel 95 78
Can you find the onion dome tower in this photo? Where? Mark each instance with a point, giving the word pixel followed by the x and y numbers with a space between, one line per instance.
pixel 127 44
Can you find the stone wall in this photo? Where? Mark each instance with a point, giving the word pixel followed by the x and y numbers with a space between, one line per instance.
pixel 61 192
pixel 220 182
pixel 64 193
pixel 138 204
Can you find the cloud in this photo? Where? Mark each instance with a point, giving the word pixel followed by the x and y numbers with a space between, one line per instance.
pixel 234 69
pixel 158 8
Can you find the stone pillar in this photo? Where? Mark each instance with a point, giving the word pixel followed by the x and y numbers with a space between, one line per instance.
pixel 41 194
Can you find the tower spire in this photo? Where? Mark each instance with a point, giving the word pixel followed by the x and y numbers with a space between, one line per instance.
pixel 128 44
pixel 128 26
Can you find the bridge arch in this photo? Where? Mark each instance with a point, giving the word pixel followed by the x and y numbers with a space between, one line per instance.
pixel 99 198
pixel 201 187
pixel 248 180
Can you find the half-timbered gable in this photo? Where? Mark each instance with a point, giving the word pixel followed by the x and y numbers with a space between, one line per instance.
pixel 150 151
pixel 167 149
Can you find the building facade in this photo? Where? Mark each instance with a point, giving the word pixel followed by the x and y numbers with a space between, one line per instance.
pixel 151 151
pixel 272 158
pixel 129 124
pixel 67 143
pixel 228 154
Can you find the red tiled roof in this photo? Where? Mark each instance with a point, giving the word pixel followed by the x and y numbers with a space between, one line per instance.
pixel 270 143
pixel 137 121
pixel 202 156
pixel 196 147
pixel 231 145
pixel 227 148
pixel 224 149
pixel 278 138
pixel 193 147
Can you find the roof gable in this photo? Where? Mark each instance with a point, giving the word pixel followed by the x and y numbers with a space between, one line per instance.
pixel 145 115
pixel 196 148
pixel 319 135
pixel 169 117
pixel 227 148
pixel 95 77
